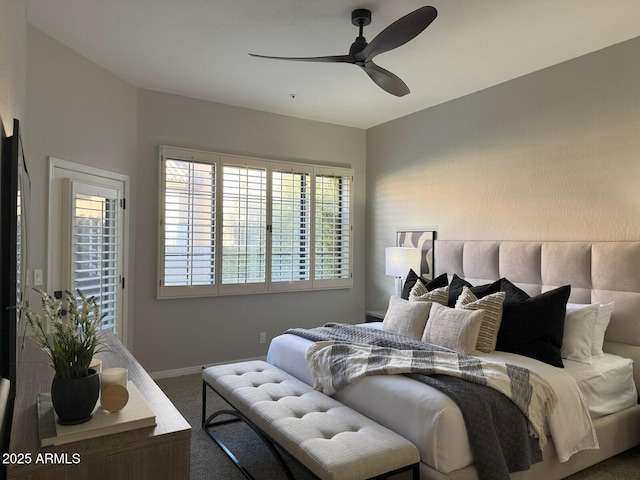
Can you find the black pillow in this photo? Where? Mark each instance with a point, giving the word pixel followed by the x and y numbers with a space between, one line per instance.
pixel 457 284
pixel 413 277
pixel 513 293
pixel 534 327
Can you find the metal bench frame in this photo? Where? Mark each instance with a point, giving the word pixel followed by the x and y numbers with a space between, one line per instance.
pixel 210 423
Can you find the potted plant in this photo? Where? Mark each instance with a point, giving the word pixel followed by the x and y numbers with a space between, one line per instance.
pixel 71 345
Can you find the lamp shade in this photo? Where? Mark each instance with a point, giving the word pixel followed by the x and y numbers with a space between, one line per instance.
pixel 398 260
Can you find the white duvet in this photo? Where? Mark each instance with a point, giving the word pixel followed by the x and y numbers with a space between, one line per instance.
pixel 430 419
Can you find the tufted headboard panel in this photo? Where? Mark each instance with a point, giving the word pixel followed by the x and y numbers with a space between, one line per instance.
pixel 597 272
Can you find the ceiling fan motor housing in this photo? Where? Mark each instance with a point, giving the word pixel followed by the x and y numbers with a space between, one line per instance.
pixel 361 15
pixel 360 18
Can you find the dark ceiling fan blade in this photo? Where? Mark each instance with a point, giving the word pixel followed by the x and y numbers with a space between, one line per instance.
pixel 399 32
pixel 386 80
pixel 329 59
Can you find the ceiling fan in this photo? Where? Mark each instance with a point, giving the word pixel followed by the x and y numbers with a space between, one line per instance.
pixel 362 53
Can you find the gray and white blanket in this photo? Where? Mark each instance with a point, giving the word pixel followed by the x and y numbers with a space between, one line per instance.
pixel 504 406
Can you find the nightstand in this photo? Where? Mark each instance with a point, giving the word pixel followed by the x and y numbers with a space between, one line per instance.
pixel 374 315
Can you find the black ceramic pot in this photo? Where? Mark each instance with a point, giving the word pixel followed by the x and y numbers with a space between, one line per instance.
pixel 75 398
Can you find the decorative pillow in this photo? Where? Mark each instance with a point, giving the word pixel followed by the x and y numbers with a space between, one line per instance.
pixel 534 327
pixel 578 332
pixel 602 322
pixel 418 289
pixel 419 293
pixel 513 293
pixel 452 328
pixel 406 318
pixel 492 306
pixel 457 284
pixel 413 278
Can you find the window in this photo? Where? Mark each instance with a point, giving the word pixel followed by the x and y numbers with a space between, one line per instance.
pixel 232 225
pixel 333 222
pixel 244 224
pixel 189 226
pixel 88 237
pixel 290 225
pixel 94 253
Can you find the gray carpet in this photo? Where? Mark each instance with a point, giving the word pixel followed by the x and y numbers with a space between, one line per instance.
pixel 208 462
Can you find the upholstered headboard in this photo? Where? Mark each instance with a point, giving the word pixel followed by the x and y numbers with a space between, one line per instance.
pixel 597 272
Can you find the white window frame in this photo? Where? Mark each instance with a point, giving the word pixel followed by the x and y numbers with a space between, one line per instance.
pixel 59 170
pixel 268 286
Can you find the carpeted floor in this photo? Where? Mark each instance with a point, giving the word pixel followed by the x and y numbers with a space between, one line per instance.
pixel 207 460
pixel 209 463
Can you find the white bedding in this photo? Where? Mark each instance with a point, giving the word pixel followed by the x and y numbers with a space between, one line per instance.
pixel 441 436
pixel 607 384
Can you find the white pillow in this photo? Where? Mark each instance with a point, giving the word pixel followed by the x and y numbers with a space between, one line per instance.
pixel 453 328
pixel 406 318
pixel 602 322
pixel 577 339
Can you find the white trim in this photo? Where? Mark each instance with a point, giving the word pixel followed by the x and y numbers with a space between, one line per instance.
pixel 179 372
pixel 52 228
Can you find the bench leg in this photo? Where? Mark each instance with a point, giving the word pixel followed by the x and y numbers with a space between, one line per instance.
pixel 415 472
pixel 210 423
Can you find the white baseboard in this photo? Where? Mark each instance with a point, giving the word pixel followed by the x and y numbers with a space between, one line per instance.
pixel 178 372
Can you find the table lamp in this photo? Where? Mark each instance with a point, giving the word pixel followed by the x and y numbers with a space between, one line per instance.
pixel 398 262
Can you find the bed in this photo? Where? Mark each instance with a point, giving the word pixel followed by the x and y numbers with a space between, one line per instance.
pixel 601 272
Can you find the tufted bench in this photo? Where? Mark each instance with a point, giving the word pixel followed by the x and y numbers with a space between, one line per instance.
pixel 332 441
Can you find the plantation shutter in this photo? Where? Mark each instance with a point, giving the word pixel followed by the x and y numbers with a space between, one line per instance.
pixel 332 226
pixel 189 223
pixel 237 225
pixel 244 225
pixel 95 240
pixel 291 225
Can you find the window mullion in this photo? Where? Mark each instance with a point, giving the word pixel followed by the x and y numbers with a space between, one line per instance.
pixel 269 230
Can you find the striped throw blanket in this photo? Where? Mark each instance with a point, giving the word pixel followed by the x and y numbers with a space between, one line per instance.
pixel 335 364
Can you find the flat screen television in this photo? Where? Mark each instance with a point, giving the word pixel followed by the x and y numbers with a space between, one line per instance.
pixel 14 196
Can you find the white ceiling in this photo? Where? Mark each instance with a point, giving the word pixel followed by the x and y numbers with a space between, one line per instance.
pixel 199 48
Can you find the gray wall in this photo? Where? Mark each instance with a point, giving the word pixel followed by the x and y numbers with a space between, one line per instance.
pixel 80 112
pixel 554 155
pixel 76 111
pixel 13 62
pixel 173 334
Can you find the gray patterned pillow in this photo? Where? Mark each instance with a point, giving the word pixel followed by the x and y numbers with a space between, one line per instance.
pixel 492 306
pixel 452 328
pixel 419 293
pixel 406 318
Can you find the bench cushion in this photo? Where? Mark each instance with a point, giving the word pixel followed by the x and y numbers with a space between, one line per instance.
pixel 332 440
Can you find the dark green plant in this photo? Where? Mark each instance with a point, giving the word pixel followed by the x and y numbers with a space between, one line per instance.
pixel 73 340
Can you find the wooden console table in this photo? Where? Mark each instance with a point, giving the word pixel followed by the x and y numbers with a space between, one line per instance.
pixel 146 453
